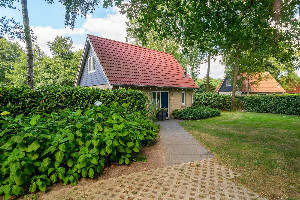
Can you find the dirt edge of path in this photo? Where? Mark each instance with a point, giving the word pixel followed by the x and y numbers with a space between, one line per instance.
pixel 154 159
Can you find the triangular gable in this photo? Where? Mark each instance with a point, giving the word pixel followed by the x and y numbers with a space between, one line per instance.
pixel 84 77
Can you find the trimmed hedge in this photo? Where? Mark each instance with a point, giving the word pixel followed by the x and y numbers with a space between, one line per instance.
pixel 212 100
pixel 43 149
pixel 196 113
pixel 23 100
pixel 276 104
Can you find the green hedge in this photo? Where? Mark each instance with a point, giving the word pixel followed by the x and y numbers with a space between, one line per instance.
pixel 196 113
pixel 277 104
pixel 212 100
pixel 42 149
pixel 23 100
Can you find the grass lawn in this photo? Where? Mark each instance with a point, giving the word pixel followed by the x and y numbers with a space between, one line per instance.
pixel 264 148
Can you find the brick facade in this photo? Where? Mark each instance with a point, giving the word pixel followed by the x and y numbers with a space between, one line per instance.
pixel 174 97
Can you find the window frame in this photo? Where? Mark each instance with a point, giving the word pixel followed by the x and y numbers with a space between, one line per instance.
pixel 228 84
pixel 91 64
pixel 183 98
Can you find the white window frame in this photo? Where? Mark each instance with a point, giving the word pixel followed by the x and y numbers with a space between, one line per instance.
pixel 155 100
pixel 228 83
pixel 184 98
pixel 91 64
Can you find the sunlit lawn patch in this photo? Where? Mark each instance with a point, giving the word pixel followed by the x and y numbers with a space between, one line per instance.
pixel 264 148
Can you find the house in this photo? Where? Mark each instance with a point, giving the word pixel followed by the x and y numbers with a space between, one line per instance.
pixel 108 64
pixel 256 84
pixel 296 90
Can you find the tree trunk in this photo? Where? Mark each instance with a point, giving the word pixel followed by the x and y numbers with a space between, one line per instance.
pixel 208 71
pixel 236 70
pixel 29 76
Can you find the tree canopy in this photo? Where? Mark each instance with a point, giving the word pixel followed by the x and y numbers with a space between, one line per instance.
pixel 244 32
pixel 59 69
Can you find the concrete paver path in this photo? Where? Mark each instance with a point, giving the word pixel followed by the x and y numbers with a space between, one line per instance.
pixel 204 179
pixel 180 146
pixel 199 176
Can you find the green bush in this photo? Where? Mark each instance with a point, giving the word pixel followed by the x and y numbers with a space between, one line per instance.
pixel 277 104
pixel 212 100
pixel 39 150
pixel 23 100
pixel 196 113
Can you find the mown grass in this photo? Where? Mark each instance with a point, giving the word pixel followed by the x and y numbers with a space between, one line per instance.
pixel 263 148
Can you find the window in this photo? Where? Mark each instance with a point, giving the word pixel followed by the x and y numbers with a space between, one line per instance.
pixel 156 99
pixel 183 98
pixel 228 83
pixel 91 64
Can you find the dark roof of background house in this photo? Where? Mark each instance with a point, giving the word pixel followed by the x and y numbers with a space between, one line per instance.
pixel 126 64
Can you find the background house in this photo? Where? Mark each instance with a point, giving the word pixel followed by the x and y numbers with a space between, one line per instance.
pixel 296 90
pixel 256 84
pixel 109 64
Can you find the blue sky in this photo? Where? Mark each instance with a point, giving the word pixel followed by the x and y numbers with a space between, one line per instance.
pixel 47 21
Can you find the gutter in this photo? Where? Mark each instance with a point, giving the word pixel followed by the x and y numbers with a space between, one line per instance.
pixel 147 86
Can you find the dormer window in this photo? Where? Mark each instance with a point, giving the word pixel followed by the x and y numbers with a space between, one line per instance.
pixel 91 64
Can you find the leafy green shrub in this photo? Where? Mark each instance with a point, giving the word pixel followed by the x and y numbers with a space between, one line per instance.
pixel 196 113
pixel 212 100
pixel 40 150
pixel 23 100
pixel 277 104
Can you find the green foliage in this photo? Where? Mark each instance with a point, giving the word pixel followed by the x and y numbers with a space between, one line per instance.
pixel 23 100
pixel 277 104
pixel 213 100
pixel 60 69
pixel 213 84
pixel 39 150
pixel 196 113
pixel 10 55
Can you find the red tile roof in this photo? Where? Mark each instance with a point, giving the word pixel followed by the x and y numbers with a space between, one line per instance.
pixel 294 91
pixel 262 83
pixel 126 64
pixel 259 83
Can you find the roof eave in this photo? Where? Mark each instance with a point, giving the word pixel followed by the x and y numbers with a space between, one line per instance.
pixel 154 86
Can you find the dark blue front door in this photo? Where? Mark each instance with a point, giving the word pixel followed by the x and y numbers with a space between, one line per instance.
pixel 165 101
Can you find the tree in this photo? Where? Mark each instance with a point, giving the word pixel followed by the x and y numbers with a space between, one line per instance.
pixel 65 62
pixel 74 8
pixel 60 69
pixel 10 53
pixel 202 84
pixel 235 28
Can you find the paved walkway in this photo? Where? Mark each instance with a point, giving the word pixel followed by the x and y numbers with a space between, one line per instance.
pixel 204 179
pixel 180 146
pixel 201 179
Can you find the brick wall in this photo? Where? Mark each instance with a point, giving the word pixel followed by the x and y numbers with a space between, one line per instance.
pixel 174 97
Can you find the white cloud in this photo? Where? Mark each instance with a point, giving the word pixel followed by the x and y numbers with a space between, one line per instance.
pixel 46 34
pixel 217 70
pixel 113 26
